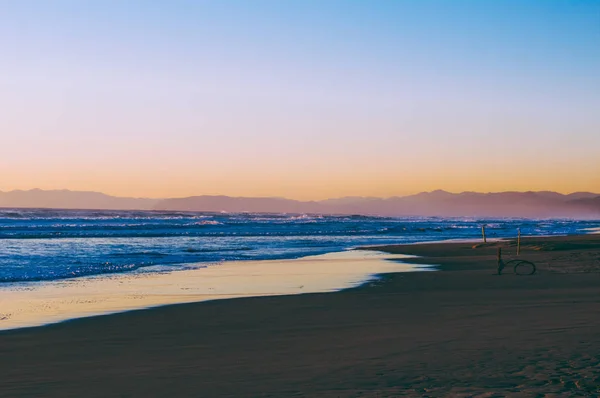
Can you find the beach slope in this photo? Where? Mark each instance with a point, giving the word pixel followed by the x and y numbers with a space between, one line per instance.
pixel 459 332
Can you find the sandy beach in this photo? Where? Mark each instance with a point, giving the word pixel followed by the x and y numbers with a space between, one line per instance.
pixel 462 331
pixel 37 304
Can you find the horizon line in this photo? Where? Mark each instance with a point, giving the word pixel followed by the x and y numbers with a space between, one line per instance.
pixel 298 200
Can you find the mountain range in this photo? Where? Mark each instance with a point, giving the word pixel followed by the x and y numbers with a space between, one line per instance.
pixel 542 204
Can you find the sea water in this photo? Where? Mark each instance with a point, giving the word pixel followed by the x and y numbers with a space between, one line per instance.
pixel 39 245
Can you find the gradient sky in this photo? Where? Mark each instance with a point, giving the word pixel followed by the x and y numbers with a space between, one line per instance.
pixel 302 99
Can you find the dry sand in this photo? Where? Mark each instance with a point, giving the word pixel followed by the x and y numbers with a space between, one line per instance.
pixel 459 332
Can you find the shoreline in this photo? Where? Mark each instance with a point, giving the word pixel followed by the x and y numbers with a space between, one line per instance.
pixel 459 332
pixel 76 290
pixel 40 304
pixel 459 256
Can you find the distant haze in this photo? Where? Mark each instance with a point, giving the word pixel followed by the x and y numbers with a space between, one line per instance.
pixel 543 204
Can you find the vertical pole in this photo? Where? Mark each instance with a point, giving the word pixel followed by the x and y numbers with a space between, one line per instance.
pixel 483 233
pixel 500 262
pixel 519 242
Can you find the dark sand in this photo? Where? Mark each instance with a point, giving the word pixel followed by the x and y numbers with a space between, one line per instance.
pixel 459 332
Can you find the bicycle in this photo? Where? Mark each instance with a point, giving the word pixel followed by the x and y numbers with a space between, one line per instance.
pixel 520 267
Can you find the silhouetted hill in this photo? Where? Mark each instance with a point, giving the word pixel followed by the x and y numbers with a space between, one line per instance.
pixel 581 195
pixel 65 199
pixel 236 205
pixel 590 203
pixel 543 204
pixel 436 203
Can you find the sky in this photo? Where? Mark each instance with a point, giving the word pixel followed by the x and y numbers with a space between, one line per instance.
pixel 299 99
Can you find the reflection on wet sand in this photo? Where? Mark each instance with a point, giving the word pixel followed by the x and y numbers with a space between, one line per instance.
pixel 39 303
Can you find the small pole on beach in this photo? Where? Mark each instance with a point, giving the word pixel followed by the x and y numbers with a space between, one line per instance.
pixel 483 233
pixel 500 263
pixel 519 242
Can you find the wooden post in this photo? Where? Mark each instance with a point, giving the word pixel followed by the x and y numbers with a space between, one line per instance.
pixel 483 233
pixel 519 242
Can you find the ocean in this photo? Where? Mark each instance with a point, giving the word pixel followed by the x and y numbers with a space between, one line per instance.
pixel 46 245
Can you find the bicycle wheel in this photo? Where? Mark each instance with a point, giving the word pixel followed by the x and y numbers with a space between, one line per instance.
pixel 523 267
pixel 511 264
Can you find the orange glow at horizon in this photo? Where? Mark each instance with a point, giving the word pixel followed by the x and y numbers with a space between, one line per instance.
pixel 300 101
pixel 308 182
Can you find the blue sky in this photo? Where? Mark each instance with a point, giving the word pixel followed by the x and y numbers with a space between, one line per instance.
pixel 305 99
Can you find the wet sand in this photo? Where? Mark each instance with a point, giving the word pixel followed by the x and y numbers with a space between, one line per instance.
pixel 36 304
pixel 459 332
